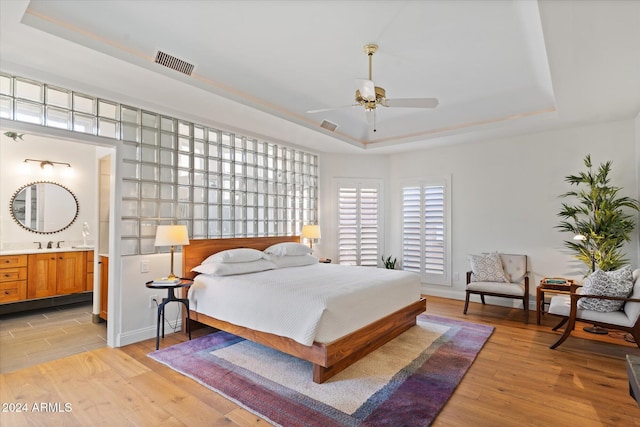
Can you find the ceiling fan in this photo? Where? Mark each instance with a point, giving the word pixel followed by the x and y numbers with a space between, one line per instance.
pixel 369 96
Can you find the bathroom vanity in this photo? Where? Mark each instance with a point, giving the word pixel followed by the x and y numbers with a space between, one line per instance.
pixel 44 273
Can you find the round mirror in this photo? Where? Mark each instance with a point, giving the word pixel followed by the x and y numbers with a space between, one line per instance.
pixel 44 207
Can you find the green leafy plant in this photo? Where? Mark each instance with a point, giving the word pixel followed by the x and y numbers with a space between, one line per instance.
pixel 389 263
pixel 598 219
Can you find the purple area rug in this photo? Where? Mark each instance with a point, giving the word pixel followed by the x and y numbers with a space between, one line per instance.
pixel 406 382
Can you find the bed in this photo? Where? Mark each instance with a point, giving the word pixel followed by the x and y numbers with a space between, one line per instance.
pixel 328 357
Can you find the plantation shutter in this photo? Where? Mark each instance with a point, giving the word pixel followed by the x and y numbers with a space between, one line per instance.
pixel 434 255
pixel 424 231
pixel 348 225
pixel 358 224
pixel 411 229
pixel 369 226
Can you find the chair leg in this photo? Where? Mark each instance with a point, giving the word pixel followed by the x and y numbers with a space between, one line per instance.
pixel 466 303
pixel 559 325
pixel 526 309
pixel 562 338
pixel 482 298
pixel 567 331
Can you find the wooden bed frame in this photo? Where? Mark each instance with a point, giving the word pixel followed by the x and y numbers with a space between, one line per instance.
pixel 327 359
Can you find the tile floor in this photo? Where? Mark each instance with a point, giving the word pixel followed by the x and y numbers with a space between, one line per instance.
pixel 38 336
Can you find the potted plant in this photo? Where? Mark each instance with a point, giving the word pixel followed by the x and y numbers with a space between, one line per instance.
pixel 599 219
pixel 389 263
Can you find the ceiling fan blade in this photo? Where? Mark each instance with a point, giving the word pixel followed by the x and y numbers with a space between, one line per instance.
pixel 367 89
pixel 411 102
pixel 322 110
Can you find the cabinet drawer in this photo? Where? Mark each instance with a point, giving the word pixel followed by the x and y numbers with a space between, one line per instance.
pixel 9 261
pixel 13 291
pixel 13 274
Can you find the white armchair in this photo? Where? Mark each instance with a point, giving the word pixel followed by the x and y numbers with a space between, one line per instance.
pixel 626 319
pixel 498 275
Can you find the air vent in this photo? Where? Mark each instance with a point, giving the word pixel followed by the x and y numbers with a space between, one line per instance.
pixel 328 125
pixel 174 63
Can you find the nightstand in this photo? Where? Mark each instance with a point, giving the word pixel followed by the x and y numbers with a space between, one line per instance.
pixel 170 287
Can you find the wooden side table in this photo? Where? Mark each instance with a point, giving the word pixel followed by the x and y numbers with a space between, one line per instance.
pixel 170 287
pixel 550 285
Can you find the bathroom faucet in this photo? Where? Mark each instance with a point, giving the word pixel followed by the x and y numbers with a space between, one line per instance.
pixel 39 244
pixel 58 244
pixel 49 245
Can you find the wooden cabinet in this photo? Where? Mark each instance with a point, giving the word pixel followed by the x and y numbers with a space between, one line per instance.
pixel 13 278
pixel 71 272
pixel 43 275
pixel 104 286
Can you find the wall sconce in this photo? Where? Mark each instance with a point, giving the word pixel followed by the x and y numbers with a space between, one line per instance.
pixel 47 166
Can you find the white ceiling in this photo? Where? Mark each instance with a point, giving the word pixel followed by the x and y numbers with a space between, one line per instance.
pixel 498 68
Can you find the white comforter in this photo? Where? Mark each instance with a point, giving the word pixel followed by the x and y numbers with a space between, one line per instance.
pixel 319 302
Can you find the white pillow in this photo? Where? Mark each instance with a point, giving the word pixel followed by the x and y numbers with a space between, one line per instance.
pixel 294 260
pixel 487 268
pixel 288 249
pixel 235 255
pixel 230 269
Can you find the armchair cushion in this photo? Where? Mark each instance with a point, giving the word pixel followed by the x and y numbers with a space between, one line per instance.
pixel 616 283
pixel 487 268
pixel 561 306
pixel 497 288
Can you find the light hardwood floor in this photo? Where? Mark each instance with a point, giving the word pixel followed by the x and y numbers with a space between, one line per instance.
pixel 516 380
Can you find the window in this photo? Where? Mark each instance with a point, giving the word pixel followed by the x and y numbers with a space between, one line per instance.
pixel 425 232
pixel 359 223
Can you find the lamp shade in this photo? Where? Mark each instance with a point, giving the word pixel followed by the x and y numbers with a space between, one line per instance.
pixel 310 231
pixel 170 235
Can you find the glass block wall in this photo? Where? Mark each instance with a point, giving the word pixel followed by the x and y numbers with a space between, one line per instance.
pixel 217 183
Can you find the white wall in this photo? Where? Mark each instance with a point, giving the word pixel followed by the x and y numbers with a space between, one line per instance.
pixel 138 319
pixel 505 194
pixel 637 126
pixel 82 184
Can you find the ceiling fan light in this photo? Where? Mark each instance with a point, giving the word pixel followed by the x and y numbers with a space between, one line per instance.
pixel 366 89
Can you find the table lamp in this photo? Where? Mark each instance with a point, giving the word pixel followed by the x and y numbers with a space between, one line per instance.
pixel 171 235
pixel 310 232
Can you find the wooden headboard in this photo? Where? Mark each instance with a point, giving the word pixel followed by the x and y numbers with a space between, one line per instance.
pixel 198 250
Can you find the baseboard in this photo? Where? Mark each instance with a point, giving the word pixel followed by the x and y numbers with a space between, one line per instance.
pixel 131 337
pixel 461 295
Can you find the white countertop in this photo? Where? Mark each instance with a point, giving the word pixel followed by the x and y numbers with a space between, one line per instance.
pixel 45 251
